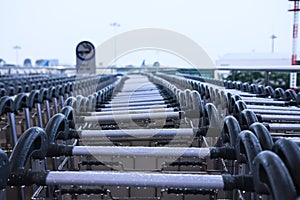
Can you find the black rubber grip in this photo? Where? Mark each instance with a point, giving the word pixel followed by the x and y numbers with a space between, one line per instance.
pixel 98 163
pixel 242 182
pixel 186 163
pixel 84 191
pixel 190 191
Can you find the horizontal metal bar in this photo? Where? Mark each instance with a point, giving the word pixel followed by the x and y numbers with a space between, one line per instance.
pixel 276 112
pixel 290 108
pixel 244 94
pixel 132 88
pixel 240 93
pixel 296 140
pixel 282 68
pixel 135 100
pixel 130 117
pixel 137 94
pixel 282 103
pixel 138 133
pixel 285 134
pixel 113 104
pixel 131 85
pixel 280 118
pixel 257 99
pixel 130 99
pixel 135 179
pixel 122 97
pixel 131 111
pixel 134 107
pixel 284 127
pixel 141 151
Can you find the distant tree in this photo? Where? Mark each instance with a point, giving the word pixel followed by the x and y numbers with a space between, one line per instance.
pixel 276 79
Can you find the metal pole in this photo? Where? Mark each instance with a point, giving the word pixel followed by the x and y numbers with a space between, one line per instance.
pixel 284 127
pixel 134 108
pixel 267 77
pixel 135 100
pixel 48 111
pixel 186 132
pixel 62 101
pixel 115 25
pixel 277 103
pixel 3 194
pixel 39 115
pixel 276 112
pixel 138 94
pixel 115 46
pixel 273 37
pixel 280 118
pixel 27 117
pixel 12 125
pixel 131 111
pixel 291 108
pixel 116 104
pixel 137 179
pixel 17 56
pixel 141 151
pixel 293 76
pixel 141 116
pixel 55 105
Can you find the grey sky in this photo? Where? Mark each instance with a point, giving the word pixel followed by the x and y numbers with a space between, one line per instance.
pixel 52 28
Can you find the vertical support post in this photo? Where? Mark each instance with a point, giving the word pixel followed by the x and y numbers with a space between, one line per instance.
pixel 3 194
pixel 27 117
pixel 48 114
pixel 115 25
pixel 39 115
pixel 267 77
pixel 293 76
pixel 61 98
pixel 55 105
pixel 13 128
pixel 273 37
pixel 233 72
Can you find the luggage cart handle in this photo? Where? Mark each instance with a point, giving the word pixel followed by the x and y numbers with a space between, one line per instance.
pixel 31 144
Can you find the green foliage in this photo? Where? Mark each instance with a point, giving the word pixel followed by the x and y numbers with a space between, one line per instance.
pixel 276 79
pixel 250 77
pixel 280 79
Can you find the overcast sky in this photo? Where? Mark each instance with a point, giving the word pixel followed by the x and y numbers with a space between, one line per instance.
pixel 52 28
